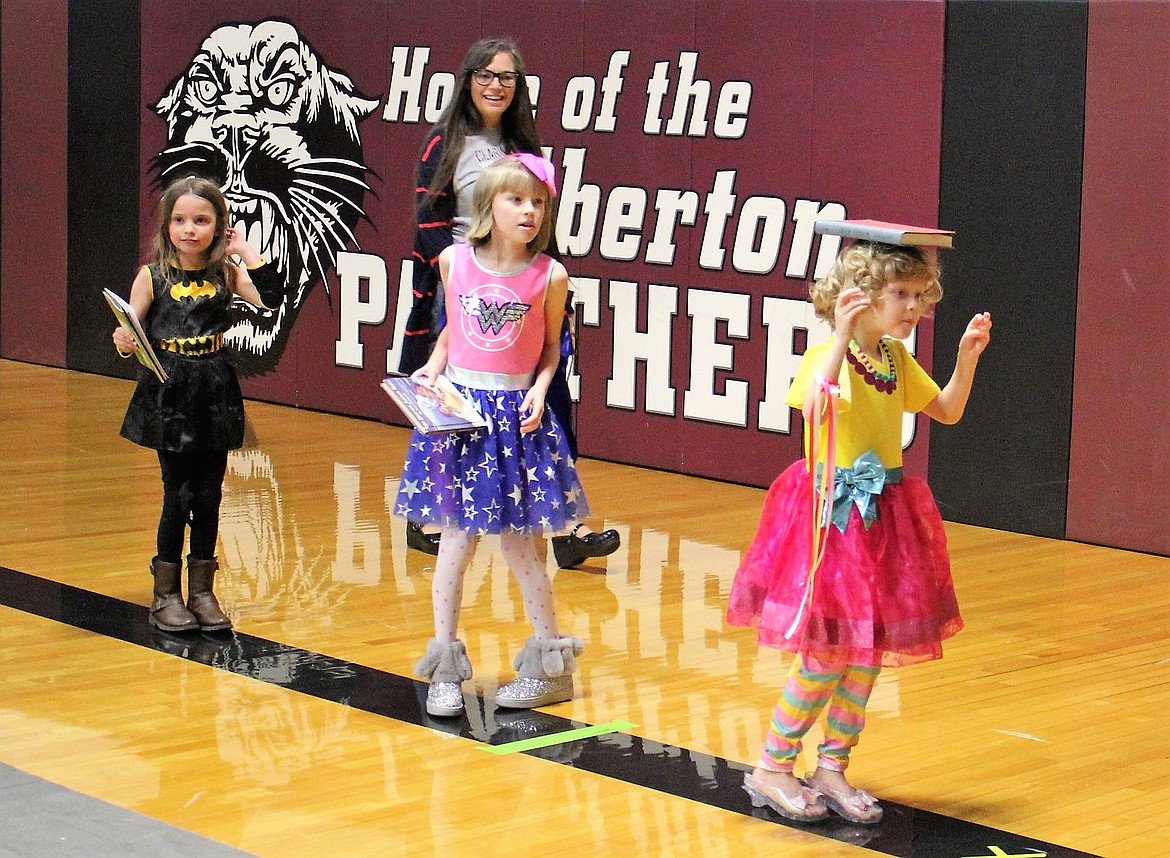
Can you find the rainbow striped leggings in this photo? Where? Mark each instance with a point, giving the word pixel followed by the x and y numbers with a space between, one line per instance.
pixel 811 685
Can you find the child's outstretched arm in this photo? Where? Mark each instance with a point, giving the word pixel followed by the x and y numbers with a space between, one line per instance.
pixel 951 401
pixel 554 302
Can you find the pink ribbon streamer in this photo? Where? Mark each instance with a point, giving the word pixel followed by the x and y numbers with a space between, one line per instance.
pixel 822 491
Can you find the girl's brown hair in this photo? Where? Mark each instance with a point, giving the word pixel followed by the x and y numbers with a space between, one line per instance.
pixel 163 251
pixel 461 118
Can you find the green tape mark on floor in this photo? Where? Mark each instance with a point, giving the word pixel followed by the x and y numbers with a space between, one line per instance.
pixel 558 738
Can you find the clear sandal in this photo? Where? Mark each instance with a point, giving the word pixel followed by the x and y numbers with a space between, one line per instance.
pixel 803 808
pixel 859 807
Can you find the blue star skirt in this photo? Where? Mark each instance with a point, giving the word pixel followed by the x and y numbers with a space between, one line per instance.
pixel 493 480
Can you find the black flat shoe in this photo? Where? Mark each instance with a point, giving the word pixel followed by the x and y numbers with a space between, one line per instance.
pixel 420 540
pixel 601 544
pixel 572 550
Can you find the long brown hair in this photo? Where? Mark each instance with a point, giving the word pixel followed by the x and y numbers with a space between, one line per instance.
pixel 461 118
pixel 163 251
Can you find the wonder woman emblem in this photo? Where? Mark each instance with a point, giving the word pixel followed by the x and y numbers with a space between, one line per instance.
pixel 493 315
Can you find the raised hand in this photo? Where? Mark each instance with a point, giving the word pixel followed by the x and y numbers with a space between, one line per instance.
pixel 851 303
pixel 976 337
pixel 237 245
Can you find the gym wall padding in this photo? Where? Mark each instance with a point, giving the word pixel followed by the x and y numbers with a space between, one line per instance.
pixel 1023 126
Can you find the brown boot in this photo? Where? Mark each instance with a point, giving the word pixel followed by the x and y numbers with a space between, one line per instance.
pixel 200 600
pixel 167 611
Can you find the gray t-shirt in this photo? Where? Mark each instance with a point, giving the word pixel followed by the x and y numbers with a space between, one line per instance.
pixel 479 151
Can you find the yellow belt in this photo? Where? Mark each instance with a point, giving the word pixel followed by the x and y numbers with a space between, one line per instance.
pixel 193 346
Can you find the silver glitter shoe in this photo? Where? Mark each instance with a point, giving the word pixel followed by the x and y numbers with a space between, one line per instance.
pixel 444 699
pixel 446 666
pixel 529 692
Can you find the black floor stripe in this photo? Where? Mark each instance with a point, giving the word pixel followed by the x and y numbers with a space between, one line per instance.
pixel 904 831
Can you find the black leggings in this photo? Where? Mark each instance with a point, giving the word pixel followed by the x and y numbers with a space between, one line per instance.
pixel 192 491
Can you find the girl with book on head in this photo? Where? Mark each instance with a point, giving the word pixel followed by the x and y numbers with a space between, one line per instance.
pixel 500 347
pixel 183 297
pixel 490 115
pixel 849 568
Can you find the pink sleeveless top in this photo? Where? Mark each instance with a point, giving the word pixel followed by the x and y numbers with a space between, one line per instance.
pixel 495 322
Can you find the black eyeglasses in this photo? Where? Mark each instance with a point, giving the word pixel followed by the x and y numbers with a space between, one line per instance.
pixel 484 77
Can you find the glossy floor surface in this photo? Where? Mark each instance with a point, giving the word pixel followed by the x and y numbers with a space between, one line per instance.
pixel 303 732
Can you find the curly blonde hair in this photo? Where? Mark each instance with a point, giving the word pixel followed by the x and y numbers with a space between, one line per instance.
pixel 870 265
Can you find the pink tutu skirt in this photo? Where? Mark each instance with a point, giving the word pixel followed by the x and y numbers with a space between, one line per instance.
pixel 881 597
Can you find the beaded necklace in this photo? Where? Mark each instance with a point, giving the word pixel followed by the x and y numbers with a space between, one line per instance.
pixel 883 382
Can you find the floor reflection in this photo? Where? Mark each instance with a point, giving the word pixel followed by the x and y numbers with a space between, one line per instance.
pixel 294 556
pixel 260 727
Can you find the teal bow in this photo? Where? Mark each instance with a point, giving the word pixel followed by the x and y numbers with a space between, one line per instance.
pixel 860 486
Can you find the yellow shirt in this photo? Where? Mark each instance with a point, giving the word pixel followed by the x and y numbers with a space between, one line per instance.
pixel 867 419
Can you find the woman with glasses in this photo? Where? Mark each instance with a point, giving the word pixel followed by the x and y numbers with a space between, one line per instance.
pixel 490 115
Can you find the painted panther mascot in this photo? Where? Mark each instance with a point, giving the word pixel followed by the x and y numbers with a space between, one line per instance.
pixel 259 112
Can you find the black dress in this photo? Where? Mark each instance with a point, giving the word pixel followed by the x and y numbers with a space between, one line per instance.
pixel 200 406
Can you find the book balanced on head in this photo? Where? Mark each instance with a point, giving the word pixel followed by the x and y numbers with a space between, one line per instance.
pixel 886 232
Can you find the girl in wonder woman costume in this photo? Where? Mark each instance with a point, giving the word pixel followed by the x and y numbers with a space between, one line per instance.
pixel 860 579
pixel 500 346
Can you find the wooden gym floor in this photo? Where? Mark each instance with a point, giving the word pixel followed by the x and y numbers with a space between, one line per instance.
pixel 303 732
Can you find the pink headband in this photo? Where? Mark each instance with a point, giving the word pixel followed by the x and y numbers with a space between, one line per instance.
pixel 540 167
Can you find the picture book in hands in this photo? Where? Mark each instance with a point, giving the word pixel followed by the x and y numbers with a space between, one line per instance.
pixel 128 319
pixel 433 409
